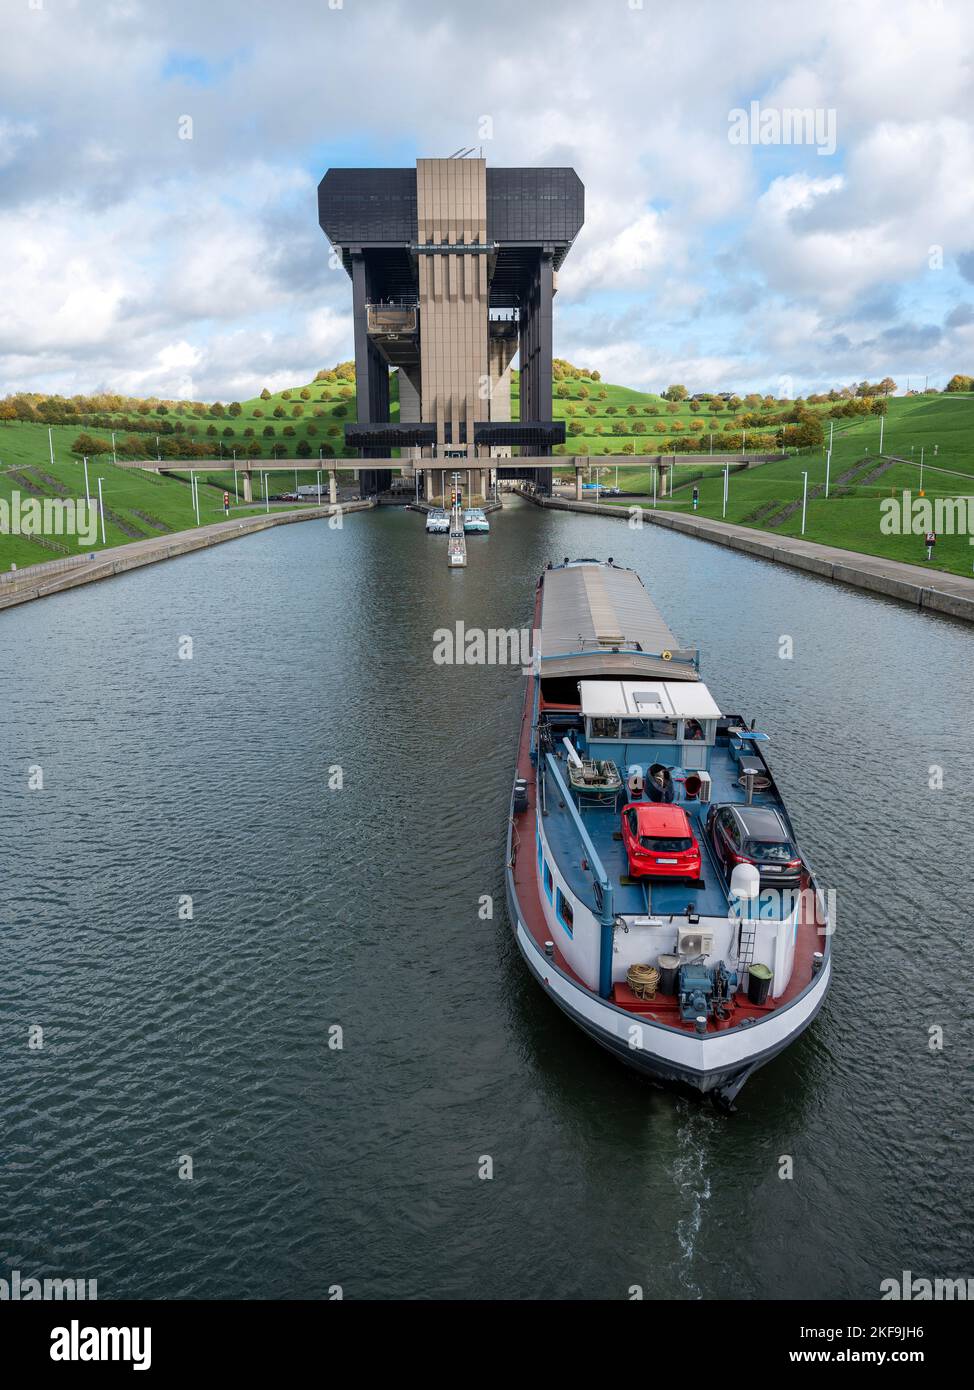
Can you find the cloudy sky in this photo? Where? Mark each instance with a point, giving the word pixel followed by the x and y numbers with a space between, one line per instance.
pixel 143 262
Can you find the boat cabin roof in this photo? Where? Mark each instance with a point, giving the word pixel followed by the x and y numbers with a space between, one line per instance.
pixel 596 618
pixel 647 699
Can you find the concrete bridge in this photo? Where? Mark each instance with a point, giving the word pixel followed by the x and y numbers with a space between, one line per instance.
pixel 436 473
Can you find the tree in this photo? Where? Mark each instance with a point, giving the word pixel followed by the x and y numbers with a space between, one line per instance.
pixel 303 450
pixel 88 446
pixel 217 409
pixel 675 393
pixel 305 394
pixel 265 395
pixel 610 410
pixel 285 395
pixel 583 393
pixel 576 427
pixel 289 431
pixel 596 376
pixel 673 408
pixel 234 408
pixel 632 410
pixel 562 392
pixel 591 408
pixel 279 412
pixel 268 431
pixel 959 382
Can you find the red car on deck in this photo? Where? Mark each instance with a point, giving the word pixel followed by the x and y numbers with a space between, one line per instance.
pixel 659 841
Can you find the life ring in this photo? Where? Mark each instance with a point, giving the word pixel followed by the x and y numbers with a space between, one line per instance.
pixel 667 655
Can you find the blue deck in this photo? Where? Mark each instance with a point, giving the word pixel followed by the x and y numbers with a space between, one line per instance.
pixel 602 824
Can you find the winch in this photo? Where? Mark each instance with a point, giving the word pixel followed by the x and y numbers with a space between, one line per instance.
pixel 705 990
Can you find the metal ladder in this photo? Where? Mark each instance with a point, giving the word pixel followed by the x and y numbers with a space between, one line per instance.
pixel 745 953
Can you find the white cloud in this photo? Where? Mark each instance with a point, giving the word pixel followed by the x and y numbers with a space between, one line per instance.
pixel 123 243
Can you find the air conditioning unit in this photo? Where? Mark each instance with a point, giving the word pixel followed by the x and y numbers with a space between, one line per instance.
pixel 695 943
pixel 706 786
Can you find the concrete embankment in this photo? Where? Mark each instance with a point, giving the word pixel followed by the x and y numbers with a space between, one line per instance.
pixel 16 589
pixel 929 589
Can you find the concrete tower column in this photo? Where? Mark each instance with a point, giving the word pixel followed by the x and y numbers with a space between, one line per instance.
pixel 248 486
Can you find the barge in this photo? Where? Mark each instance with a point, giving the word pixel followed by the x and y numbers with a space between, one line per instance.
pixel 654 879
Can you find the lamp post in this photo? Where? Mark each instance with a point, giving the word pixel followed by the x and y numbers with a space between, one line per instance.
pixel 87 492
pixel 114 456
pixel 922 447
pixel 50 442
pixel 726 484
pixel 804 499
pixel 828 465
pixel 101 512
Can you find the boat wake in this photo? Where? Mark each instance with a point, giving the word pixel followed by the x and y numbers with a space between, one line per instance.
pixel 691 1176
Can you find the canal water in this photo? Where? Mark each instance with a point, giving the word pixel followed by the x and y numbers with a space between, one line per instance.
pixel 319 907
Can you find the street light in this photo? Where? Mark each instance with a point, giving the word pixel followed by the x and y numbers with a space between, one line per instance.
pixel 726 482
pixel 804 500
pixel 101 512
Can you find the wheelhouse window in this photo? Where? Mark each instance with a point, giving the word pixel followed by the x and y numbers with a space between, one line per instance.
pixel 566 916
pixel 548 883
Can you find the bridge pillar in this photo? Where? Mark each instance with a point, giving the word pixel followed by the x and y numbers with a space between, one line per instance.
pixel 578 484
pixel 333 486
pixel 248 486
